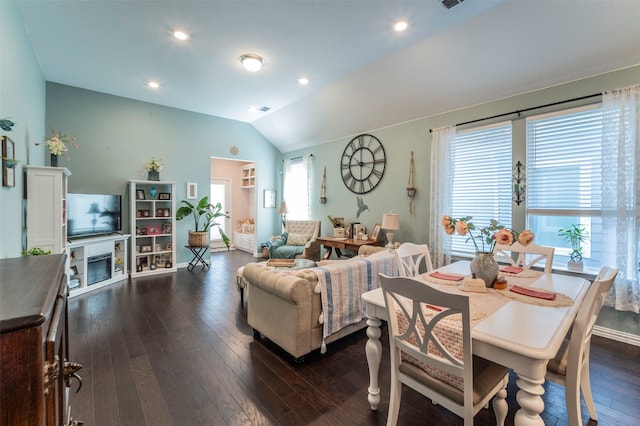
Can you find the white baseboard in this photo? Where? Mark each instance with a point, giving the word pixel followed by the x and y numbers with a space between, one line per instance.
pixel 619 336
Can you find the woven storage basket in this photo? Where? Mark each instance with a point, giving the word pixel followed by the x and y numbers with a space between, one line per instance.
pixel 198 239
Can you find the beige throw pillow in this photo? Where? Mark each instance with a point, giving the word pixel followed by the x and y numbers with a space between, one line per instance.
pixel 297 239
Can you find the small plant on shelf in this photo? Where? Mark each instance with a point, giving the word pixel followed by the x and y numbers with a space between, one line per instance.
pixel 35 251
pixel 575 235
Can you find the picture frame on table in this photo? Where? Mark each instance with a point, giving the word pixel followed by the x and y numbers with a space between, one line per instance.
pixel 153 230
pixel 164 196
pixel 146 249
pixel 375 232
pixel 269 199
pixel 160 212
pixel 8 162
pixel 140 194
pixel 168 247
pixel 166 212
pixel 166 228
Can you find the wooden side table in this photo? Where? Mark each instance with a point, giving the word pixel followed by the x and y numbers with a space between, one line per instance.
pixel 330 243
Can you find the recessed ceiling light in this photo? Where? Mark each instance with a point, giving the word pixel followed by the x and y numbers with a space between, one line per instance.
pixel 400 26
pixel 303 80
pixel 251 62
pixel 252 108
pixel 180 35
pixel 153 84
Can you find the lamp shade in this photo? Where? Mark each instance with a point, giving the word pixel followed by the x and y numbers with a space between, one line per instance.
pixel 94 209
pixel 251 62
pixel 283 208
pixel 390 221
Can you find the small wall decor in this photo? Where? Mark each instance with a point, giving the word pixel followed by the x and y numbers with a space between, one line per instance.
pixel 323 187
pixel 192 190
pixel 8 162
pixel 269 199
pixel 519 178
pixel 234 150
pixel 411 189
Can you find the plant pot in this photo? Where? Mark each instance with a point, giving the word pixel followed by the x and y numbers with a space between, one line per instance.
pixel 54 160
pixel 199 239
pixel 484 266
pixel 575 266
pixel 153 175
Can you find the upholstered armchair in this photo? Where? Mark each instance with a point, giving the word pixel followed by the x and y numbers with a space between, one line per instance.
pixel 297 241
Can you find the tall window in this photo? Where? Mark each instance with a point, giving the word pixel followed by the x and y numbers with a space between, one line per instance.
pixel 481 168
pixel 564 179
pixel 297 192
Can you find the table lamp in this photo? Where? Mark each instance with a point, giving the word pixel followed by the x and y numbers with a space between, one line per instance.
pixel 283 211
pixel 390 223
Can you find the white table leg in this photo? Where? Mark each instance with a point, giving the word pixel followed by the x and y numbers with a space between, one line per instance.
pixel 531 403
pixel 373 350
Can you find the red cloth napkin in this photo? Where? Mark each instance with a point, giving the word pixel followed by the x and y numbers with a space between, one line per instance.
pixel 533 293
pixel 447 277
pixel 434 307
pixel 512 269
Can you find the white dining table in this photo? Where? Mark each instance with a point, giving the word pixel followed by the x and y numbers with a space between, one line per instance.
pixel 519 335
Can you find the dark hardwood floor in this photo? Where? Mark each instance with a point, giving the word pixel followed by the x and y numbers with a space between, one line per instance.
pixel 176 349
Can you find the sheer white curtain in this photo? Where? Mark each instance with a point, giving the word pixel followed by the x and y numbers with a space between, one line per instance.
pixel 621 194
pixel 441 188
pixel 297 187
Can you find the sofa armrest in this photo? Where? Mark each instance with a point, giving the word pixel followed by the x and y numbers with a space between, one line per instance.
pixel 281 284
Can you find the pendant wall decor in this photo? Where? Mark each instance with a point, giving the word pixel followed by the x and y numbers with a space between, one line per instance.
pixel 323 187
pixel 411 189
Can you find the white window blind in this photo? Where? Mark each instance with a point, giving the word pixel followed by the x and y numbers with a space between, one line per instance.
pixel 481 178
pixel 564 179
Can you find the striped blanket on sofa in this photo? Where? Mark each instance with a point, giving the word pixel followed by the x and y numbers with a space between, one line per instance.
pixel 342 283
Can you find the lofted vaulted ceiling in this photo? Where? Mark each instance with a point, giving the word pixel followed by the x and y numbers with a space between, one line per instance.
pixel 363 74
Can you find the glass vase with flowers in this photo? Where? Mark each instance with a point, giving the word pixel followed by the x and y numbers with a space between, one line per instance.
pixel 484 241
pixel 59 144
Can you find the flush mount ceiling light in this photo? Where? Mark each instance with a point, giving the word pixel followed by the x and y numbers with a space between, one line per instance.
pixel 180 35
pixel 303 81
pixel 400 26
pixel 153 84
pixel 251 62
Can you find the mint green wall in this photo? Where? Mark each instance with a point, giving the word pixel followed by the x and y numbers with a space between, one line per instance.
pixel 401 139
pixel 22 98
pixel 116 135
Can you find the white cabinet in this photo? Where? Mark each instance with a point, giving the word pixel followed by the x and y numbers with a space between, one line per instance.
pixel 47 208
pixel 93 263
pixel 248 174
pixel 153 238
pixel 245 242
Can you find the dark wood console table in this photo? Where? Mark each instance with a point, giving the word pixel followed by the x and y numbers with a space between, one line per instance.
pixel 330 243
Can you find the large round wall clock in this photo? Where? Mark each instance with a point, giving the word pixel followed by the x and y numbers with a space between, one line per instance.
pixel 362 164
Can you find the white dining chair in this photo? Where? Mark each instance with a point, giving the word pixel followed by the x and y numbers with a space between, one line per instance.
pixel 410 258
pixel 425 359
pixel 570 367
pixel 504 253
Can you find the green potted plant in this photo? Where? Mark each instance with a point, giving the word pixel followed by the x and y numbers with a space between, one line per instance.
pixel 35 251
pixel 204 217
pixel 575 235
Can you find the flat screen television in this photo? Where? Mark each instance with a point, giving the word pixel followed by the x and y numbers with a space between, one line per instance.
pixel 93 214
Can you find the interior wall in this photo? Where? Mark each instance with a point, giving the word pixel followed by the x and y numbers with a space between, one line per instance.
pixel 22 99
pixel 116 135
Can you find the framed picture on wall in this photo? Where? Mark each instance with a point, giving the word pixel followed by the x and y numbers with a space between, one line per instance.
pixel 8 162
pixel 192 190
pixel 269 198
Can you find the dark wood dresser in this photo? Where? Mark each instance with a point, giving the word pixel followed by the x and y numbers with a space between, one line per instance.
pixel 34 345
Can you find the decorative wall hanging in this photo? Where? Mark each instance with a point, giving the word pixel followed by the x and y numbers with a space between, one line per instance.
pixel 8 162
pixel 234 150
pixel 323 187
pixel 518 177
pixel 192 190
pixel 411 189
pixel 269 199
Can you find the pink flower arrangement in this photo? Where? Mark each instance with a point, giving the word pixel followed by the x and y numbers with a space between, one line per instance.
pixel 58 142
pixel 485 239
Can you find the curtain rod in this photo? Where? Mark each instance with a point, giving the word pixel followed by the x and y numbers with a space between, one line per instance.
pixel 519 111
pixel 299 158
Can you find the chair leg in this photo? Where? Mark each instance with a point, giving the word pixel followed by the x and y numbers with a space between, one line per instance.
pixel 394 402
pixel 500 406
pixel 572 393
pixel 585 385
